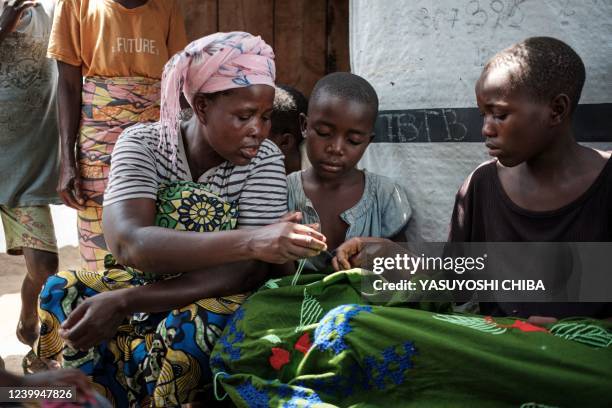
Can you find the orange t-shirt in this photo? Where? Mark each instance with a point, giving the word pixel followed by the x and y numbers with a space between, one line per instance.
pixel 109 40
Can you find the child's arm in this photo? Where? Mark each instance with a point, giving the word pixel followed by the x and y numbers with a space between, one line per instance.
pixel 69 102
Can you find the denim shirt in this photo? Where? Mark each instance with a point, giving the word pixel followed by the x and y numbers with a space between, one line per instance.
pixel 382 211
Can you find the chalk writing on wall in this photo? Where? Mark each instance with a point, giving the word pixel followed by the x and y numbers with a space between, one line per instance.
pixel 475 15
pixel 422 125
pixel 591 124
pixel 480 14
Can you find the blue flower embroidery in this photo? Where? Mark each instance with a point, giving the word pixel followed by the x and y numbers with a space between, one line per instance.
pixel 378 371
pixel 302 398
pixel 335 325
pixel 252 396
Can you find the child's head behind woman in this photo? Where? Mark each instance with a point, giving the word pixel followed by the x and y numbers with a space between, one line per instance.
pixel 289 104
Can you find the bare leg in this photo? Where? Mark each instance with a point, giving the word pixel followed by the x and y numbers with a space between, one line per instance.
pixel 40 265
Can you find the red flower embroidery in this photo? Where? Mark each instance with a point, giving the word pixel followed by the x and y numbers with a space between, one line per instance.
pixel 279 358
pixel 518 324
pixel 527 327
pixel 303 344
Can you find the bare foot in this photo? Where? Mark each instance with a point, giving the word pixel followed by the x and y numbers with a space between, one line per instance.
pixel 27 332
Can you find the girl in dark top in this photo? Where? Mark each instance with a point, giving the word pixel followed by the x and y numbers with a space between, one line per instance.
pixel 542 185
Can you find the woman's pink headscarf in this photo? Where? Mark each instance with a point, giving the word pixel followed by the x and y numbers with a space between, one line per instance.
pixel 210 64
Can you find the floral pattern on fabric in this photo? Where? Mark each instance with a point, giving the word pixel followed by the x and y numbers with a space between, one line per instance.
pixel 252 396
pixel 481 324
pixel 394 356
pixel 233 336
pixel 190 206
pixel 302 398
pixel 585 333
pixel 391 365
pixel 330 333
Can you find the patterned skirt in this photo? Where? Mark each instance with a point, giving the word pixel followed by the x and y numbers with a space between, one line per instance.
pixel 161 359
pixel 110 105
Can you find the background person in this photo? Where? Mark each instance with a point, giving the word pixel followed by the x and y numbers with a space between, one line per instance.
pixel 289 104
pixel 119 47
pixel 29 158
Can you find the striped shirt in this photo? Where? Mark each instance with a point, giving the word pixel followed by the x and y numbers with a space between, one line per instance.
pixel 138 167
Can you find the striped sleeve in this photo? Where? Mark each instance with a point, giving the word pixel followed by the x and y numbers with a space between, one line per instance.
pixel 133 172
pixel 263 199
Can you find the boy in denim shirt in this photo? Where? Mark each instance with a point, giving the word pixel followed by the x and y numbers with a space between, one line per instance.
pixel 345 201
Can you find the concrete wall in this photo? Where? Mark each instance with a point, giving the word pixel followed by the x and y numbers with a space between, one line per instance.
pixel 423 58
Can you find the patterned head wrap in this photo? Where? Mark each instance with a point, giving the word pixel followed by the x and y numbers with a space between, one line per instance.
pixel 210 64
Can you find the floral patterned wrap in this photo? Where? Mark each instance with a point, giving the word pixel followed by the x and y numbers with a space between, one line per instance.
pixel 189 206
pixel 161 359
pixel 110 105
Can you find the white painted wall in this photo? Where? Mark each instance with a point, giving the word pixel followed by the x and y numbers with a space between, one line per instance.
pixel 428 54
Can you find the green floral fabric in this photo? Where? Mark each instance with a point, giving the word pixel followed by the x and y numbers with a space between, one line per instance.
pixel 320 343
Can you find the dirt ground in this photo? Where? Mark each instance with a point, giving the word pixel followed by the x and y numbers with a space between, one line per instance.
pixel 12 271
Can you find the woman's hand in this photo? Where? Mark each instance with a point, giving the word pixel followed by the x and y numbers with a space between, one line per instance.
pixel 94 320
pixel 350 254
pixel 286 241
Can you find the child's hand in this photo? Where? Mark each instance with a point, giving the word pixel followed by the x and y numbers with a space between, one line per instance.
pixel 351 254
pixel 297 216
pixel 348 254
pixel 11 13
